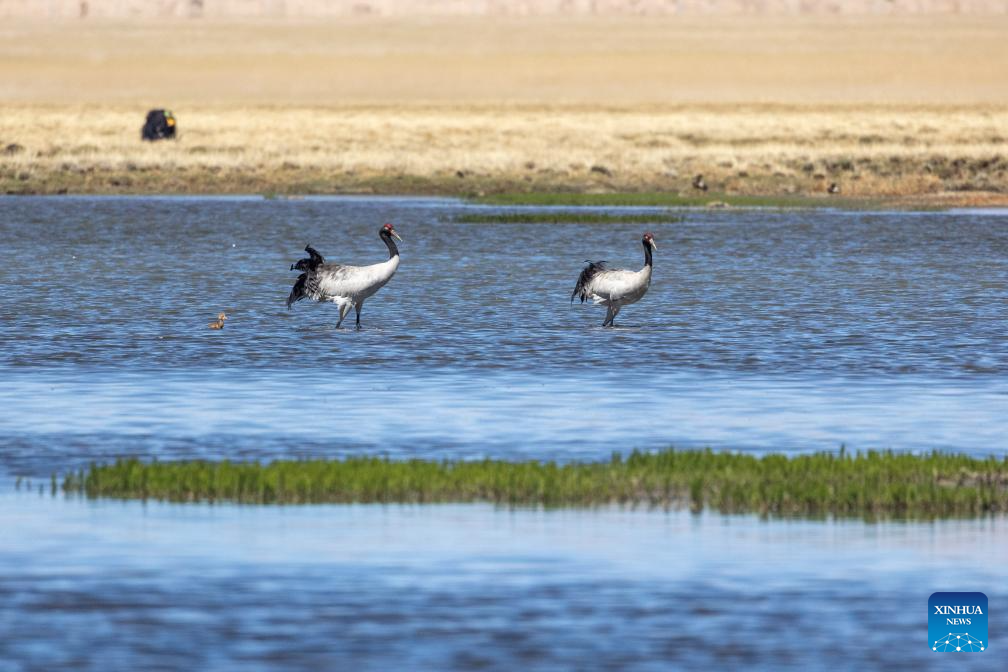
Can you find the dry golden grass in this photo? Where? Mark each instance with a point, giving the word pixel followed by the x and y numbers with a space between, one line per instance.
pixel 892 151
pixel 892 107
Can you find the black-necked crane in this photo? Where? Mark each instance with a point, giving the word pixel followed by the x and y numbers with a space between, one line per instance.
pixel 346 286
pixel 612 287
pixel 698 183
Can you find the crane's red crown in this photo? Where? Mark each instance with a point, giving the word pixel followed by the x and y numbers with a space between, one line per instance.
pixel 387 227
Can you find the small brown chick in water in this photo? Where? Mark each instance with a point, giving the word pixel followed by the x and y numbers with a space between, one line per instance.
pixel 219 322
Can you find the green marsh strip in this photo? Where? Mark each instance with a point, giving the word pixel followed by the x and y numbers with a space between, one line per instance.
pixel 871 485
pixel 671 200
pixel 567 217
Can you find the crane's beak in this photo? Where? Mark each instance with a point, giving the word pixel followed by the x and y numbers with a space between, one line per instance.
pixel 654 245
pixel 395 235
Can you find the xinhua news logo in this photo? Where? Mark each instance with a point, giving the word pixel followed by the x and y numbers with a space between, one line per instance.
pixel 957 622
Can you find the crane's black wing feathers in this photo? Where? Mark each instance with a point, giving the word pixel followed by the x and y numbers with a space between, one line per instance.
pixel 316 258
pixel 298 290
pixel 312 263
pixel 587 274
pixel 307 285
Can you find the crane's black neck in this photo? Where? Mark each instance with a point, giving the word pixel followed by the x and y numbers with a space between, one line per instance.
pixel 393 251
pixel 647 253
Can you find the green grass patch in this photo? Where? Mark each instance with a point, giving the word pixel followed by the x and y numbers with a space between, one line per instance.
pixel 567 217
pixel 671 200
pixel 869 485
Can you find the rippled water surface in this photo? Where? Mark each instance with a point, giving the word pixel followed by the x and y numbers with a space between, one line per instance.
pixel 790 331
pixel 127 586
pixel 762 331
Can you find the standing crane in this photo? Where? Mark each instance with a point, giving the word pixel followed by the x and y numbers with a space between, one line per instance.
pixel 612 287
pixel 346 286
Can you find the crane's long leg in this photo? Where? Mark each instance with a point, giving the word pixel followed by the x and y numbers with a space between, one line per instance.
pixel 344 308
pixel 357 309
pixel 611 315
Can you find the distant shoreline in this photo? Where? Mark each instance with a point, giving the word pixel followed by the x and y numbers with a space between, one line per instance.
pixel 662 202
pixel 770 109
pixel 776 156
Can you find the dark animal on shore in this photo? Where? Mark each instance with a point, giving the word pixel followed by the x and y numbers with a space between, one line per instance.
pixel 833 188
pixel 346 286
pixel 615 288
pixel 698 183
pixel 160 125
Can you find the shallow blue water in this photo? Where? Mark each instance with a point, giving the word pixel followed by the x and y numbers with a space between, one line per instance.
pixel 124 586
pixel 790 331
pixel 762 331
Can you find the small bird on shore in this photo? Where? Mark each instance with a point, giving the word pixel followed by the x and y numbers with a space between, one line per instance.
pixel 346 286
pixel 615 288
pixel 833 188
pixel 219 322
pixel 698 183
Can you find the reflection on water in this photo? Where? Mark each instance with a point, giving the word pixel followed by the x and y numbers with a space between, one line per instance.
pixel 471 587
pixel 787 331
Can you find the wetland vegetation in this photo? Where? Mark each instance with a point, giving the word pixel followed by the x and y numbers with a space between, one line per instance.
pixel 567 217
pixel 668 200
pixel 869 484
